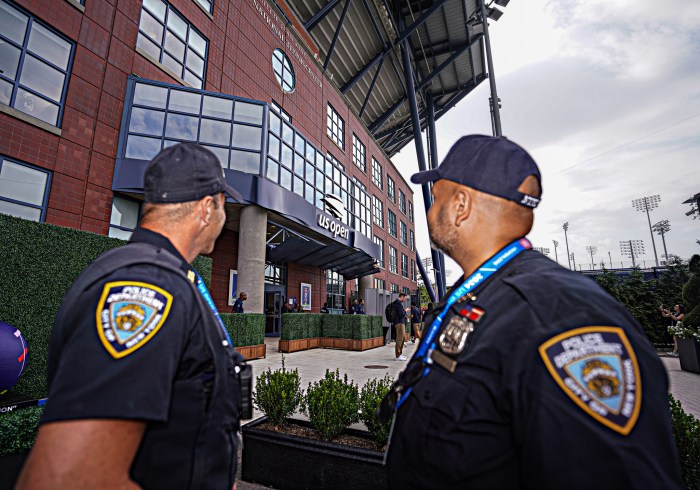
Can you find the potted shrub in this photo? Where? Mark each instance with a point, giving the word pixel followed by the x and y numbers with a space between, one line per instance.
pixel 297 454
pixel 688 329
pixel 247 332
pixel 686 431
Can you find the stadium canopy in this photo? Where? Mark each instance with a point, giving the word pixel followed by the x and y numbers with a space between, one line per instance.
pixel 360 45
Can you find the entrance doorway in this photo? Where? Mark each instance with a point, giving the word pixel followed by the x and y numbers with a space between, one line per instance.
pixel 274 299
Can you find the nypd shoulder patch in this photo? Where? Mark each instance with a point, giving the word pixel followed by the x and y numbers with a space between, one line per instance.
pixel 129 314
pixel 597 368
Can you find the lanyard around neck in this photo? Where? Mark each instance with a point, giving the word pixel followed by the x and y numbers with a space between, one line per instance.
pixel 486 270
pixel 202 288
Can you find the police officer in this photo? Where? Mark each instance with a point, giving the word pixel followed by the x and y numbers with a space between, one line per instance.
pixel 143 390
pixel 536 378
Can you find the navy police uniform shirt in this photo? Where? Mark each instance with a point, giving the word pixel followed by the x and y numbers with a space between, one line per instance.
pixel 134 345
pixel 238 306
pixel 556 387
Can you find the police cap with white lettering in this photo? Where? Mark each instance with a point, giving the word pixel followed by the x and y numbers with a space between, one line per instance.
pixel 185 172
pixel 491 165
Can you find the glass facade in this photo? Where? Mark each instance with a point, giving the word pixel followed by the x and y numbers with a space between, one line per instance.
pixel 336 127
pixel 124 217
pixel 24 190
pixel 162 115
pixel 335 290
pixel 171 40
pixel 359 153
pixel 282 113
pixel 35 63
pixel 283 70
pixel 392 223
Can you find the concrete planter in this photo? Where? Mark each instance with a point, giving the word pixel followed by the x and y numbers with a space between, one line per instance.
pixel 689 355
pixel 292 462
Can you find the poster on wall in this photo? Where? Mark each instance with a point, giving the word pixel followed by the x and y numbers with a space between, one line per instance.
pixel 232 286
pixel 305 296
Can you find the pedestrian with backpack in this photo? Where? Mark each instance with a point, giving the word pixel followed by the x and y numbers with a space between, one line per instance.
pixel 395 314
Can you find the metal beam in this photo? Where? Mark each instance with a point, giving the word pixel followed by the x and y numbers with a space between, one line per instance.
pixel 446 63
pixel 418 22
pixel 363 71
pixel 379 122
pixel 320 15
pixel 371 87
pixel 374 21
pixel 426 279
pixel 432 153
pixel 336 35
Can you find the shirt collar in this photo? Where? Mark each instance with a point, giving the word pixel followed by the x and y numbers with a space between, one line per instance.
pixel 147 236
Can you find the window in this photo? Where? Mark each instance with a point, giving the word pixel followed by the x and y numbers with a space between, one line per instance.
pixel 413 270
pixel 404 237
pixel 359 209
pixel 410 211
pixel 379 284
pixel 336 127
pixel 377 174
pixel 35 63
pixel 391 189
pixel 163 115
pixel 281 112
pixel 394 288
pixel 392 223
pixel 393 258
pixel 275 274
pixel 124 218
pixel 406 291
pixel 380 259
pixel 402 202
pixel 24 189
pixel 378 211
pixel 167 37
pixel 412 241
pixel 404 266
pixel 335 290
pixel 207 5
pixel 283 70
pixel 358 153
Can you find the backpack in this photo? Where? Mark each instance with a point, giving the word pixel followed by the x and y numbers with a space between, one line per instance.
pixel 390 313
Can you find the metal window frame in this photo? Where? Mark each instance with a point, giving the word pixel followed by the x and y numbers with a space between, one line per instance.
pixel 286 68
pixel 403 229
pixel 380 259
pixel 388 218
pixel 360 160
pixel 377 178
pixel 162 48
pixel 402 202
pixel 393 265
pixel 211 5
pixel 280 111
pixel 404 261
pixel 24 49
pixel 47 187
pixel 335 127
pixel 390 188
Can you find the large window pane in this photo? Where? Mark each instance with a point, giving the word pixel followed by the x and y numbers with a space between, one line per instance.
pixel 157 7
pixel 148 46
pixel 151 27
pixel 273 170
pixel 21 183
pixel 273 147
pixel 198 43
pixel 14 209
pixel 172 64
pixel 36 106
pixel 246 137
pixel 142 148
pixel 195 64
pixel 146 121
pixel 125 213
pixel 248 113
pixel 150 95
pixel 13 23
pixel 49 46
pixel 177 24
pixel 221 155
pixel 9 59
pixel 181 126
pixel 5 92
pixel 217 107
pixel 217 132
pixel 245 161
pixel 175 47
pixel 39 76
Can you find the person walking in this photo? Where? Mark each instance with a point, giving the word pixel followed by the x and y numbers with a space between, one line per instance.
pixel 415 322
pixel 399 322
pixel 530 375
pixel 238 305
pixel 142 376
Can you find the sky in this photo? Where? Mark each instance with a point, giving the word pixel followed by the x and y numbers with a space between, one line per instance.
pixel 606 98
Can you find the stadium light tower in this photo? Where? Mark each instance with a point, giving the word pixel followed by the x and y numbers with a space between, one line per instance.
pixel 566 228
pixel 573 259
pixel 556 244
pixel 591 250
pixel 542 250
pixel 663 227
pixel 645 204
pixel 630 248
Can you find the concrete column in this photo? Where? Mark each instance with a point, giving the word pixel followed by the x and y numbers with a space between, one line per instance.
pixel 364 283
pixel 252 235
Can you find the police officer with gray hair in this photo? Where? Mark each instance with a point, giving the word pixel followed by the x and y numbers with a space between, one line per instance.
pixel 145 388
pixel 528 375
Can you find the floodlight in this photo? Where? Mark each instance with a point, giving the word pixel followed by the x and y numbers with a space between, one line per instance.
pixel 493 13
pixel 502 3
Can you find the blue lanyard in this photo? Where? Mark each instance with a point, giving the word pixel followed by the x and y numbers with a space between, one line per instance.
pixel 210 302
pixel 487 269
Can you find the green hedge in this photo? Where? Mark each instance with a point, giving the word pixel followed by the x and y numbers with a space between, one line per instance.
pixel 377 323
pixel 18 430
pixel 351 326
pixel 39 263
pixel 245 328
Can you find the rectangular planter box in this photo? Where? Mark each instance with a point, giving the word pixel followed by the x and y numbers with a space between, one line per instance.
pixel 689 355
pixel 352 344
pixel 253 351
pixel 298 344
pixel 291 462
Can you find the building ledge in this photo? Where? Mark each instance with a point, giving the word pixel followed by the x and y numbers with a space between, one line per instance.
pixel 77 4
pixel 162 67
pixel 11 111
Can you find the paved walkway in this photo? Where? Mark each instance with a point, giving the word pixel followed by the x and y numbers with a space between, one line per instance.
pixel 685 386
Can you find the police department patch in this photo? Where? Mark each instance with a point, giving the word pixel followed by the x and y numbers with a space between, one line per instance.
pixel 129 314
pixel 598 369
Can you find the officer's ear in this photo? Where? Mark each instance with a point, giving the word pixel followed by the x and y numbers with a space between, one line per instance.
pixel 205 209
pixel 462 204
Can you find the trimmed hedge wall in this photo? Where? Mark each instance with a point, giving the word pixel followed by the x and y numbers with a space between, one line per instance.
pixel 18 430
pixel 245 328
pixel 39 262
pixel 297 326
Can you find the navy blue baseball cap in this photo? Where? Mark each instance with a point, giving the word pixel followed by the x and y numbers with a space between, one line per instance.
pixel 185 172
pixel 495 166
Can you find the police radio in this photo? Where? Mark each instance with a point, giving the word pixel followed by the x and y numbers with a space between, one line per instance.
pixel 245 382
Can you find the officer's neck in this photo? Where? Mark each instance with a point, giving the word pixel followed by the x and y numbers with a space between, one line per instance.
pixel 481 252
pixel 182 238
